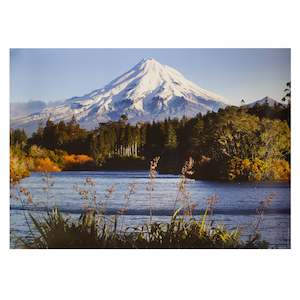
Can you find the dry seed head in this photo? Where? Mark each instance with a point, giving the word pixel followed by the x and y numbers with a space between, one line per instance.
pixel 89 181
pixel 26 193
pixel 211 201
pixel 153 166
pixel 187 169
pixel 265 203
pixel 109 192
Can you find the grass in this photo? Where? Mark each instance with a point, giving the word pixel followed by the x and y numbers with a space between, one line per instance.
pixel 55 231
pixel 94 229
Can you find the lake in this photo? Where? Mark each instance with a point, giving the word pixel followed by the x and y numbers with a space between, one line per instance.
pixel 236 206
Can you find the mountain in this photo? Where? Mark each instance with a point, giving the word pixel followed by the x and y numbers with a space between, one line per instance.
pixel 266 100
pixel 20 109
pixel 149 91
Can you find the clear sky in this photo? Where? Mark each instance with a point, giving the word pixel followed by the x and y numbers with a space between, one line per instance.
pixel 58 74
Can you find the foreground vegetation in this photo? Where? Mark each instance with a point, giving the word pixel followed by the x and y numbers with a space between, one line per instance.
pixel 95 229
pixel 91 230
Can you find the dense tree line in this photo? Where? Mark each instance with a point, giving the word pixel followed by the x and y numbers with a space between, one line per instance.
pixel 222 144
pixel 278 111
pixel 64 136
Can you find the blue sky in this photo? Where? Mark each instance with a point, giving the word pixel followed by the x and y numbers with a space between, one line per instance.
pixel 57 74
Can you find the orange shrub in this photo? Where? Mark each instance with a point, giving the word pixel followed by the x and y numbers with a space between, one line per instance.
pixel 71 160
pixel 45 165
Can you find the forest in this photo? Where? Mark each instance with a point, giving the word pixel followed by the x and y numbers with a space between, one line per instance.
pixel 235 143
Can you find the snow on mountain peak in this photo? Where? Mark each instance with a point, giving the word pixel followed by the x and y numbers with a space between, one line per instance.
pixel 148 91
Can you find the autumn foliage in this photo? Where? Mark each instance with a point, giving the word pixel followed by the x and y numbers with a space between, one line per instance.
pixel 257 169
pixel 76 159
pixel 45 165
pixel 18 167
pixel 80 161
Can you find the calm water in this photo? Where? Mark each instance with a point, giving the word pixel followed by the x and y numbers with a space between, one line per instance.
pixel 236 205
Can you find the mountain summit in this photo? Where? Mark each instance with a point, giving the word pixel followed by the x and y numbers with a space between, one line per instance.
pixel 149 91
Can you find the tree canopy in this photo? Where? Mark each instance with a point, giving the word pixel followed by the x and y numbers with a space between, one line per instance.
pixel 220 143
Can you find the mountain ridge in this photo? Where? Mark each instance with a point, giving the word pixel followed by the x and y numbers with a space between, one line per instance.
pixel 265 100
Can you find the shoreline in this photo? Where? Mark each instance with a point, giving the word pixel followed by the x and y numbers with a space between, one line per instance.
pixel 163 173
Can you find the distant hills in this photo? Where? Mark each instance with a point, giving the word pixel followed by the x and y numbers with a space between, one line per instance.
pixel 266 100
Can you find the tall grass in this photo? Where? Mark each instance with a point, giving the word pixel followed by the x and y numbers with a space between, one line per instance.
pixel 57 231
pixel 94 229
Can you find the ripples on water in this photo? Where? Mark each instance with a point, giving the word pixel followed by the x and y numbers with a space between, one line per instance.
pixel 236 206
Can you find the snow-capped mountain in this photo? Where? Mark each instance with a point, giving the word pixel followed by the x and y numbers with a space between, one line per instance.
pixel 149 91
pixel 266 100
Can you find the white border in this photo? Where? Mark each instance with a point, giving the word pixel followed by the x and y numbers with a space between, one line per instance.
pixel 157 274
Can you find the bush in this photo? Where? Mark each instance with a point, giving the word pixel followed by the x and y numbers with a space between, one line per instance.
pixel 78 162
pixel 257 169
pixel 56 156
pixel 277 170
pixel 45 165
pixel 18 166
pixel 246 169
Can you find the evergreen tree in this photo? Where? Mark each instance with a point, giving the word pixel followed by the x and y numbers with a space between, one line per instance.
pixel 170 136
pixel 18 138
pixel 287 90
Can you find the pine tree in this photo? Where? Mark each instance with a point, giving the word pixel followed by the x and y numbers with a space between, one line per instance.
pixel 170 138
